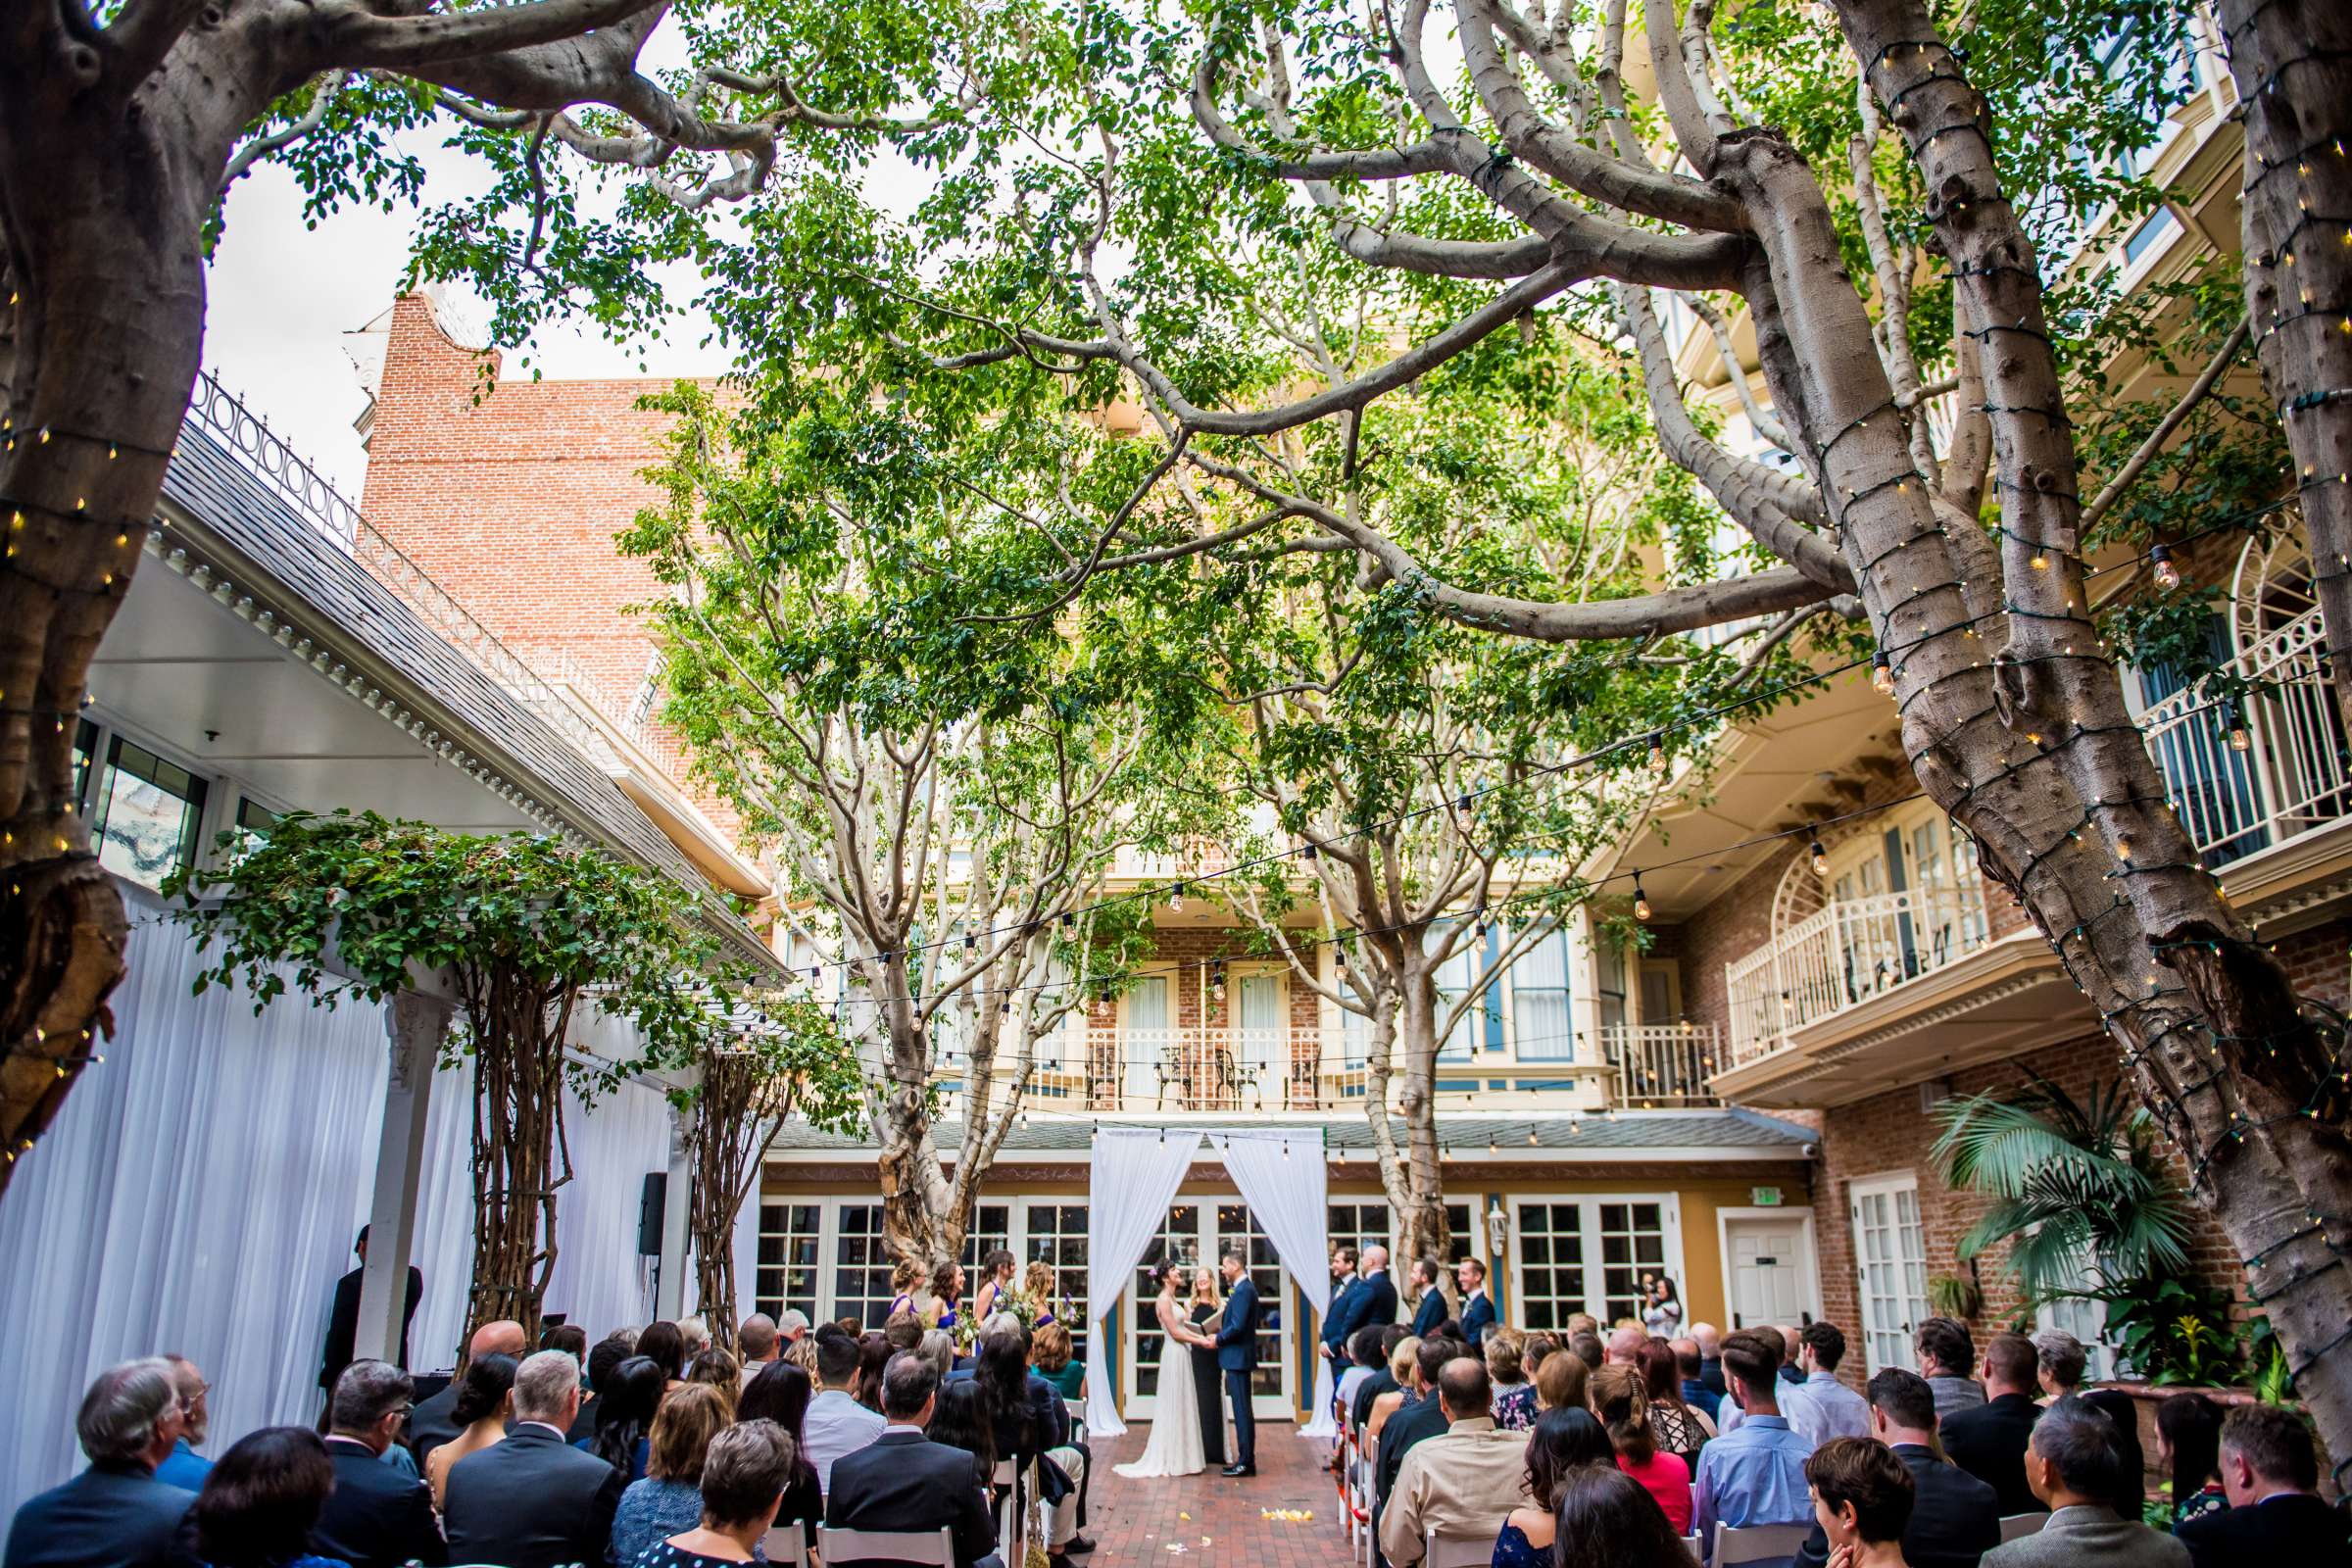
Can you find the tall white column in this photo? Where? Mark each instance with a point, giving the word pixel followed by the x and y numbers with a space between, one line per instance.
pixel 669 1292
pixel 414 1024
pixel 1584 1006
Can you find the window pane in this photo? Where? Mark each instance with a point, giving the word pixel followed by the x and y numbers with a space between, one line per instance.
pixel 1238 1232
pixel 147 815
pixel 1178 1242
pixel 1551 1248
pixel 788 1265
pixel 1057 1235
pixel 1633 1242
pixel 861 1266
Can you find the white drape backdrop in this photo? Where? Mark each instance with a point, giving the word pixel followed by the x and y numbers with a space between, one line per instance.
pixel 1133 1178
pixel 201 1186
pixel 1283 1180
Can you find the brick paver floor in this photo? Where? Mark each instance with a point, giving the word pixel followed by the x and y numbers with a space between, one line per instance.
pixel 1206 1521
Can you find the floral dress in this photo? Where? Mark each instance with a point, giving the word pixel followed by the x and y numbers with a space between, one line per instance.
pixel 1513 1549
pixel 1515 1406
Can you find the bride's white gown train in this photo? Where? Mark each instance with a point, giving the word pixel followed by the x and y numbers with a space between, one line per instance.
pixel 1175 1446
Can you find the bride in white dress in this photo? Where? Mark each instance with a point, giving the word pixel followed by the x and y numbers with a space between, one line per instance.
pixel 1175 1446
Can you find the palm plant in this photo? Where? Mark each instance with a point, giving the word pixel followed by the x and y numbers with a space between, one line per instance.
pixel 2080 1193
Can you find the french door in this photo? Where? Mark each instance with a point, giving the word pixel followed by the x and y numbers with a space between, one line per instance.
pixel 1195 1233
pixel 1890 1267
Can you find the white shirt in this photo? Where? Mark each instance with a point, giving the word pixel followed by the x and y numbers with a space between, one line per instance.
pixel 836 1424
pixel 1824 1409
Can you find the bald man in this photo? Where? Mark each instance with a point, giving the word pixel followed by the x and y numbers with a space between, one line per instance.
pixel 434 1421
pixel 1623 1347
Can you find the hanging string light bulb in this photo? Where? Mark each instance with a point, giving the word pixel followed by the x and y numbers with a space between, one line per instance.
pixel 1882 674
pixel 1176 899
pixel 1820 857
pixel 1657 753
pixel 2168 575
pixel 1641 899
pixel 2240 738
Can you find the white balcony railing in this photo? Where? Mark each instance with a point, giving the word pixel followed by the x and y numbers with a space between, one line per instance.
pixel 1662 1065
pixel 2290 775
pixel 1844 954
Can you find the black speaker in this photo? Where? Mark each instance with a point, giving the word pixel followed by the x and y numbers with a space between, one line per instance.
pixel 649 1212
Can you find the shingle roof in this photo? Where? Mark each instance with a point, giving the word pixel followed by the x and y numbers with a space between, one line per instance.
pixel 230 505
pixel 1647 1131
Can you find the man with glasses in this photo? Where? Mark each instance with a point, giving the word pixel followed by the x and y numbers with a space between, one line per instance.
pixel 375 1517
pixel 186 1467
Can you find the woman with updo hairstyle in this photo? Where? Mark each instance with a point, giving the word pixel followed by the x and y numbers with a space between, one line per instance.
pixel 905 1278
pixel 873 1354
pixel 996 1285
pixel 1622 1402
pixel 1561 1441
pixel 485 1398
pixel 719 1370
pixel 262 1499
pixel 1514 1403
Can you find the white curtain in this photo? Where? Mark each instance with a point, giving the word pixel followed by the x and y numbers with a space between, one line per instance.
pixel 1132 1180
pixel 198 1192
pixel 1283 1180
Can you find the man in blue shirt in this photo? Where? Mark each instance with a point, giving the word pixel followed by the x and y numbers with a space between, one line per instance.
pixel 1821 1407
pixel 186 1467
pixel 1755 1475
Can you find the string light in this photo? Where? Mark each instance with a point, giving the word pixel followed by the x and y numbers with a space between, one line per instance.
pixel 1657 753
pixel 2239 739
pixel 2168 575
pixel 1882 674
pixel 1641 899
pixel 1821 859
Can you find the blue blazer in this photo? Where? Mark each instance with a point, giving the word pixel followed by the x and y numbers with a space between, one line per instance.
pixel 1237 1336
pixel 1430 1313
pixel 111 1513
pixel 1477 1317
pixel 1339 1324
pixel 1378 1300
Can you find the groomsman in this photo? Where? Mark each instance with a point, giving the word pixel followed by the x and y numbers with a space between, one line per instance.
pixel 1432 1308
pixel 1477 1308
pixel 1338 1325
pixel 1237 1358
pixel 1376 1297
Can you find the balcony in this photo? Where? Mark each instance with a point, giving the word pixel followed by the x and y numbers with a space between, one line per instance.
pixel 1662 1065
pixel 1844 954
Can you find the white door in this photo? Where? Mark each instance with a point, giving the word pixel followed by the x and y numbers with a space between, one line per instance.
pixel 1768 1264
pixel 1261 1049
pixel 1145 1041
pixel 1197 1233
pixel 1890 1264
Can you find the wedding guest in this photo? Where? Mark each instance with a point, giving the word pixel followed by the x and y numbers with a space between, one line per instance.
pixel 2075 1467
pixel 2276 1514
pixel 874 1355
pixel 1514 1394
pixel 1955 1518
pixel 719 1370
pixel 1621 1400
pixel 1058 1362
pixel 1560 1382
pixel 261 1500
pixel 1754 1473
pixel 1681 1430
pixel 533 1500
pixel 1539 1345
pixel 1560 1442
pixel 759 1341
pixel 115 1515
pixel 1730 1413
pixel 1623 1347
pixel 793 1326
pixel 485 1399
pixel 784 1395
pixel 939 1349
pixel 186 1467
pixel 1423 1419
pixel 904 1481
pixel 1382 1381
pixel 1946 1359
pixel 624 1431
pixel 1406 1391
pixel 670 1499
pixel 1862 1496
pixel 1988 1439
pixel 1689 1368
pixel 745 1477
pixel 959 1418
pixel 602 1360
pixel 375 1517
pixel 1607 1520
pixel 1585 1345
pixel 694 1338
pixel 1709 1345
pixel 1364 1364
pixel 2062 1361
pixel 664 1345
pixel 433 1422
pixel 1457 1480
pixel 836 1423
pixel 2132 1483
pixel 1828 1408
pixel 2188 1445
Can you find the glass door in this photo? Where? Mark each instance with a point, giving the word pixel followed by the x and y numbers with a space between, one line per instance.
pixel 1144 1043
pixel 1891 1264
pixel 1195 1234
pixel 1261 1054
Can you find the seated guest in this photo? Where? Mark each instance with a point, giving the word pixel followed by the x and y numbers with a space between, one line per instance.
pixel 1406 1392
pixel 2188 1445
pixel 1056 1360
pixel 2276 1514
pixel 1687 1366
pixel 1624 1346
pixel 1955 1518
pixel 1459 1480
pixel 1514 1394
pixel 1032 1425
pixel 939 1349
pixel 632 1393
pixel 1988 1439
pixel 1680 1429
pixel 485 1394
pixel 744 1477
pixel 1946 1356
pixel 2074 1465
pixel 1382 1381
pixel 1710 1358
pixel 2132 1481
pixel 902 1331
pixel 1605 1519
pixel 1825 1407
pixel 694 1336
pixel 903 1480
pixel 602 1360
pixel 783 1393
pixel 1791 1336
pixel 375 1517
pixel 569 1338
pixel 434 1422
pixel 960 1419
pixel 186 1467
pixel 664 1345
pixel 1621 1400
pixel 533 1500
pixel 1560 1440
pixel 1363 1363
pixel 1585 1348
pixel 1862 1496
pixel 2062 1363
pixel 874 1351
pixel 115 1512
pixel 1421 1418
pixel 1050 1343
pixel 260 1502
pixel 836 1423
pixel 757 1342
pixel 670 1499
pixel 719 1370
pixel 1754 1473
pixel 1560 1382
pixel 1728 1414
pixel 1582 1323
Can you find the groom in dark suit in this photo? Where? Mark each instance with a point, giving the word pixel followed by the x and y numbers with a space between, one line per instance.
pixel 1237 1357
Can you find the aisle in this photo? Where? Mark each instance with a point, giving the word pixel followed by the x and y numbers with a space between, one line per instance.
pixel 1143 1522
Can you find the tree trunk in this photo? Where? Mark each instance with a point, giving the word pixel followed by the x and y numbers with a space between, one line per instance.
pixel 518 1142
pixel 1415 1179
pixel 2292 63
pixel 103 193
pixel 920 1220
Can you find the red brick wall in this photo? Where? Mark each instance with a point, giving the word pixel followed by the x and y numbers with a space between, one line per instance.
pixel 1181 952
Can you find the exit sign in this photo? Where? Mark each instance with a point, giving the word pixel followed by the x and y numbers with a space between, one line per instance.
pixel 1765 1196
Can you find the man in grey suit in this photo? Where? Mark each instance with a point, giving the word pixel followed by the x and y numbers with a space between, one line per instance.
pixel 2074 1462
pixel 533 1500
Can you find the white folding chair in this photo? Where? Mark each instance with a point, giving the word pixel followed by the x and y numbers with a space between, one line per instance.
pixel 2022 1524
pixel 787 1546
pixel 1754 1542
pixel 1696 1547
pixel 1458 1551
pixel 924 1549
pixel 1076 1410
pixel 1008 1512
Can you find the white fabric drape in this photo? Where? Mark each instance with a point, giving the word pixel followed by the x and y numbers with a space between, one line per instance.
pixel 1282 1179
pixel 198 1192
pixel 599 1281
pixel 1133 1178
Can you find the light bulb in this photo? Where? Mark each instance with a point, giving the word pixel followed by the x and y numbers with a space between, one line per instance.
pixel 2040 562
pixel 1176 899
pixel 1640 900
pixel 1657 753
pixel 1882 674
pixel 2123 845
pixel 2239 740
pixel 1820 859
pixel 2168 575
